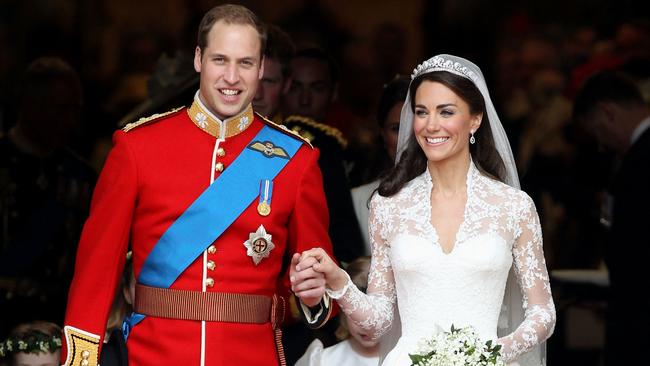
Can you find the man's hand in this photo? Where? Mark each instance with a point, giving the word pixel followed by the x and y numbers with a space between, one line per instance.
pixel 306 283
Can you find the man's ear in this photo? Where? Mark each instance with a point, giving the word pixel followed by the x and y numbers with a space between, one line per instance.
pixel 260 74
pixel 335 93
pixel 197 59
pixel 287 85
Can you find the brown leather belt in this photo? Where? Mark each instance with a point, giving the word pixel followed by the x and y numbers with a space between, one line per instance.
pixel 208 306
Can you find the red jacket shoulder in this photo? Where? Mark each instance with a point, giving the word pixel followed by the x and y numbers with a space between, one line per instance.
pixel 153 118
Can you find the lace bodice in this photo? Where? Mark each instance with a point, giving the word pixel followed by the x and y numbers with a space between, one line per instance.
pixel 465 287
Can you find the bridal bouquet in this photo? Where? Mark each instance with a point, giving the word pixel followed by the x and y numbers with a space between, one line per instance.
pixel 459 347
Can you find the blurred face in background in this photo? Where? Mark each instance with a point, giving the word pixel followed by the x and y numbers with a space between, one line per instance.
pixel 311 91
pixel 40 359
pixel 390 130
pixel 360 335
pixel 606 126
pixel 270 89
pixel 52 114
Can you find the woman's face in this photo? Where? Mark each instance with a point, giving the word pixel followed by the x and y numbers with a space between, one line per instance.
pixel 442 122
pixel 391 129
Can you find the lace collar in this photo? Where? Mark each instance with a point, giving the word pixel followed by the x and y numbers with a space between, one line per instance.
pixel 472 174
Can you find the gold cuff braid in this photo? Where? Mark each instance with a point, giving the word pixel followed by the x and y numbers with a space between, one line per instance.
pixel 83 347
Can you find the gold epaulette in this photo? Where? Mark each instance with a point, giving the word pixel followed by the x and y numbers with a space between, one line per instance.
pixel 284 129
pixel 328 130
pixel 83 347
pixel 145 120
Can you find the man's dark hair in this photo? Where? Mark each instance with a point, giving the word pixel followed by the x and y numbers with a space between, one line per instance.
pixel 317 53
pixel 230 14
pixel 605 86
pixel 279 47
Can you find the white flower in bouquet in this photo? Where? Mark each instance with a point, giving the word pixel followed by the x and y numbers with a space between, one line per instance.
pixel 458 347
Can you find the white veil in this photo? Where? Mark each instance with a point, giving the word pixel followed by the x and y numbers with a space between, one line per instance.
pixel 512 313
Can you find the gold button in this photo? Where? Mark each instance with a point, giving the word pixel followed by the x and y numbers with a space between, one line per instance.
pixel 219 167
pixel 211 265
pixel 209 282
pixel 221 152
pixel 85 354
pixel 212 249
pixel 85 362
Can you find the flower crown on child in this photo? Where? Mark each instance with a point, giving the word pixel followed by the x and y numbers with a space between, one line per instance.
pixel 33 341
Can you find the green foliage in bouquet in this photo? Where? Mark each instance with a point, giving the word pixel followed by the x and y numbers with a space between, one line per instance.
pixel 458 347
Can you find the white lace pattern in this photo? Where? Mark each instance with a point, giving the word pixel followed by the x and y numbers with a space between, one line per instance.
pixel 464 287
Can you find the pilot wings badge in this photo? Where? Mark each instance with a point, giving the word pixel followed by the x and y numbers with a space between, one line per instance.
pixel 259 245
pixel 268 149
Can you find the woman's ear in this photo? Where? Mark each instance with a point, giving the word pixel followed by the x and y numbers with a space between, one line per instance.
pixel 476 121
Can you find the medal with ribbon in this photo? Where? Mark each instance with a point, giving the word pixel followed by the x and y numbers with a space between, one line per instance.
pixel 266 192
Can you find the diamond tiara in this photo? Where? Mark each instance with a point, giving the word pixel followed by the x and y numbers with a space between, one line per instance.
pixel 438 63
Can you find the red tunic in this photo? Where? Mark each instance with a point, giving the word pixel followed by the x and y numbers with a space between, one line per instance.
pixel 151 176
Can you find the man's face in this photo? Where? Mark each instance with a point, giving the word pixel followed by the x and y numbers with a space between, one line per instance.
pixel 606 128
pixel 270 89
pixel 311 92
pixel 61 101
pixel 390 131
pixel 230 67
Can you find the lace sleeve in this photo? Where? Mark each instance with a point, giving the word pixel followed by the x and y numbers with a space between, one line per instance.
pixel 532 276
pixel 373 311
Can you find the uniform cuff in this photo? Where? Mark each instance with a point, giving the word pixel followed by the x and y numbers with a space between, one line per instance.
pixel 316 317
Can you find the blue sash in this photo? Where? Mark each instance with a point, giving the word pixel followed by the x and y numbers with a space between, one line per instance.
pixel 213 211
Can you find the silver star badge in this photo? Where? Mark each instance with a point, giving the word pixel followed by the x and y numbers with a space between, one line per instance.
pixel 259 245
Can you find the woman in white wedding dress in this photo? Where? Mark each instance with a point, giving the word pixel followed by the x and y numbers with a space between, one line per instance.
pixel 454 239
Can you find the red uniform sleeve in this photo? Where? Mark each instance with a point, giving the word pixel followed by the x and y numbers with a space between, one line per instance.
pixel 309 222
pixel 101 255
pixel 308 228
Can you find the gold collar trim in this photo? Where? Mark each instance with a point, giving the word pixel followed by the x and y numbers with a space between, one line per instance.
pixel 208 122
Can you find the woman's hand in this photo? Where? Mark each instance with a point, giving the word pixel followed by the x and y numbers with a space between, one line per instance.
pixel 318 260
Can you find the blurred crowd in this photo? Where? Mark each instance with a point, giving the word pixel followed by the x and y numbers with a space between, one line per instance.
pixel 72 72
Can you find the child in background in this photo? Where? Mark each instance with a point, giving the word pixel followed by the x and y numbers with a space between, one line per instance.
pixel 114 352
pixel 356 348
pixel 36 343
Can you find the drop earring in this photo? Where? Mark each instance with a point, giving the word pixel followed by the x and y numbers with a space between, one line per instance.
pixel 472 140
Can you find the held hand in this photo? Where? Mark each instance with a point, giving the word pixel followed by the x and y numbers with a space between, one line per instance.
pixel 321 262
pixel 307 284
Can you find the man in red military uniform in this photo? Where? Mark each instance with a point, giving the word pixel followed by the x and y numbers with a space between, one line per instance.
pixel 212 199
